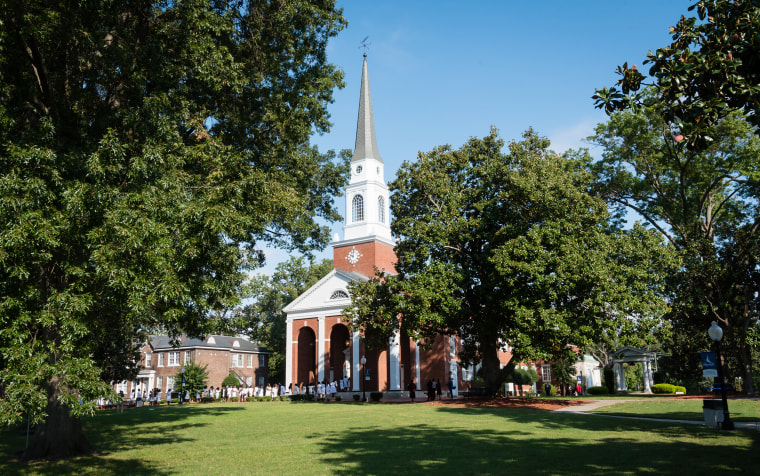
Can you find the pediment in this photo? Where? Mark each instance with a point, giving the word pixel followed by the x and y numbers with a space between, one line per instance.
pixel 329 292
pixel 628 352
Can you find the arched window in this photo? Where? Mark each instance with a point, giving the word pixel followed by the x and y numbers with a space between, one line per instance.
pixel 339 295
pixel 357 207
pixel 381 209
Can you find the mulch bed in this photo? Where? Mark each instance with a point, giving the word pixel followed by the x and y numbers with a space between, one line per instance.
pixel 533 403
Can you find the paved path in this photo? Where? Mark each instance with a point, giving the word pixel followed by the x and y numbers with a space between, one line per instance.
pixel 586 407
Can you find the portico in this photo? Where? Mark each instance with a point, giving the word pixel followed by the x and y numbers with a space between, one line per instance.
pixel 632 355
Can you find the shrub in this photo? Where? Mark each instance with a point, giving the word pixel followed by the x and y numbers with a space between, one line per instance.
pixel 663 388
pixel 375 396
pixel 338 398
pixel 207 399
pixel 598 390
pixel 680 389
pixel 234 399
pixel 357 397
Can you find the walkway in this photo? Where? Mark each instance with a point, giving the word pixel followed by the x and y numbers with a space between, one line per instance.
pixel 586 407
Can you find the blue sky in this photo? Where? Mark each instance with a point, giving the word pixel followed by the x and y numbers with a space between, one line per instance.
pixel 444 71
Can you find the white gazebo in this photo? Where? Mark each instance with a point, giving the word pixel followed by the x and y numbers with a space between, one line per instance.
pixel 628 355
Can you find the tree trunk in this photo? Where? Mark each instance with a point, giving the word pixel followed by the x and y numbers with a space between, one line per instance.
pixel 493 375
pixel 61 435
pixel 746 363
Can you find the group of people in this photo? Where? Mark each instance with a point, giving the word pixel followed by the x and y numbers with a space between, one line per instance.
pixel 434 389
pixel 322 390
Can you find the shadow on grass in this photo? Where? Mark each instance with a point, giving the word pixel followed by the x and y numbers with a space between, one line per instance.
pixel 110 435
pixel 539 442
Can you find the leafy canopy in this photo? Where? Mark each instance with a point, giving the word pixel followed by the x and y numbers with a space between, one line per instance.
pixel 510 250
pixel 711 68
pixel 148 150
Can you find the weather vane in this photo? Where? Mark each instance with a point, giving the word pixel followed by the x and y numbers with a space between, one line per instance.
pixel 365 45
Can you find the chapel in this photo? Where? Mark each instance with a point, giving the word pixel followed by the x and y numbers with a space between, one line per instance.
pixel 321 345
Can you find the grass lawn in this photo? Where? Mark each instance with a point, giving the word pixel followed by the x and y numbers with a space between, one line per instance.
pixel 349 439
pixel 676 409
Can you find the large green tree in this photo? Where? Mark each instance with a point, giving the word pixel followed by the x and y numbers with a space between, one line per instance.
pixel 705 201
pixel 509 249
pixel 147 151
pixel 707 75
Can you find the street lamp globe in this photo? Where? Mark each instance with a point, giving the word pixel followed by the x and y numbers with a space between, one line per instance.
pixel 715 332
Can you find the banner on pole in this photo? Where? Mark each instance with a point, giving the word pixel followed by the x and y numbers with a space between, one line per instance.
pixel 709 364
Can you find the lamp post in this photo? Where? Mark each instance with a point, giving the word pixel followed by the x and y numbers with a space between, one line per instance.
pixel 182 391
pixel 363 361
pixel 716 334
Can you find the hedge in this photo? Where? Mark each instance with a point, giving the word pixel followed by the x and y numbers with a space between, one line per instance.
pixel 598 390
pixel 667 388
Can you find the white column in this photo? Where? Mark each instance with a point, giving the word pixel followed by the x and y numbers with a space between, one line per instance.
pixel 356 373
pixel 321 349
pixel 395 361
pixel 288 352
pixel 647 371
pixel 454 375
pixel 417 364
pixel 620 377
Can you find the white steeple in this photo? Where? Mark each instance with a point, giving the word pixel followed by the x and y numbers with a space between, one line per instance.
pixel 367 205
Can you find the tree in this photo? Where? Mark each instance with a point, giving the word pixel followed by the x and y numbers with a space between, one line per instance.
pixel 231 380
pixel 705 202
pixel 521 377
pixel 263 320
pixel 196 378
pixel 710 70
pixel 563 368
pixel 147 151
pixel 509 249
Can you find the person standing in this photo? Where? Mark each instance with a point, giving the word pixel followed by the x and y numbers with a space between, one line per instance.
pixel 450 386
pixel 412 390
pixel 430 390
pixel 438 388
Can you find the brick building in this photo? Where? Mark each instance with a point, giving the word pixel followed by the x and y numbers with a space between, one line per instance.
pixel 160 362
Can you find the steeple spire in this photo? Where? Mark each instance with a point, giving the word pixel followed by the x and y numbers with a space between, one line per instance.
pixel 366 143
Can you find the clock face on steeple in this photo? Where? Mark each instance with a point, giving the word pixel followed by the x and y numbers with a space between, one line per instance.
pixel 358 169
pixel 353 256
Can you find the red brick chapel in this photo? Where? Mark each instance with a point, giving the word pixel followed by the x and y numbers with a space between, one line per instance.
pixel 321 345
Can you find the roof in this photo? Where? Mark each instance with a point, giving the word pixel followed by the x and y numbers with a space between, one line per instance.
pixel 237 344
pixel 366 143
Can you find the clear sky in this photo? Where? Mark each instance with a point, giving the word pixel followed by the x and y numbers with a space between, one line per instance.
pixel 444 71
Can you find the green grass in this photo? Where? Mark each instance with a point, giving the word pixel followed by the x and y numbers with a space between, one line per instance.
pixel 353 439
pixel 740 410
